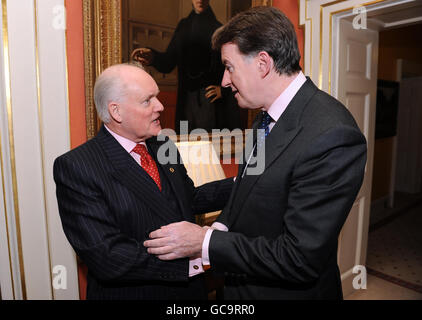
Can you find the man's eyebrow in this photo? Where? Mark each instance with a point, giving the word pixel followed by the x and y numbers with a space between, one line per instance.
pixel 152 95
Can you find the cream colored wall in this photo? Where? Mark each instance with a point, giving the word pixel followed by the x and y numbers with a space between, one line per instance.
pixel 9 265
pixel 34 131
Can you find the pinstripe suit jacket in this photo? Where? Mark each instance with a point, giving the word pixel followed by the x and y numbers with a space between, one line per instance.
pixel 108 205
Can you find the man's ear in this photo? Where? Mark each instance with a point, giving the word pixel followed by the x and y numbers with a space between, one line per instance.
pixel 114 111
pixel 265 63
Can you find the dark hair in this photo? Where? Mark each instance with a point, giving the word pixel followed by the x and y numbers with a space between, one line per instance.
pixel 262 29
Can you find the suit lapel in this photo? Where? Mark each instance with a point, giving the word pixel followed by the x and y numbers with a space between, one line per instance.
pixel 169 171
pixel 131 175
pixel 283 133
pixel 241 168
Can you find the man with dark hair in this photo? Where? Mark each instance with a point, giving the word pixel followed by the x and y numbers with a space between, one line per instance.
pixel 277 236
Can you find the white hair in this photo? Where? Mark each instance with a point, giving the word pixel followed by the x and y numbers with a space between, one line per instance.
pixel 110 86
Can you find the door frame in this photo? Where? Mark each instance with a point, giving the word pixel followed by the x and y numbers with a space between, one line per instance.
pixel 321 22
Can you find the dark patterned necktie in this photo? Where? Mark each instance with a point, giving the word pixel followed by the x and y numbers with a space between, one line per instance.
pixel 148 163
pixel 265 125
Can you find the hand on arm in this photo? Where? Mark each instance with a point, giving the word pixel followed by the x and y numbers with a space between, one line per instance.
pixel 176 240
pixel 322 190
pixel 90 226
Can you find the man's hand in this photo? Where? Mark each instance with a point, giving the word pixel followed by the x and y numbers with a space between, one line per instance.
pixel 213 91
pixel 143 55
pixel 176 240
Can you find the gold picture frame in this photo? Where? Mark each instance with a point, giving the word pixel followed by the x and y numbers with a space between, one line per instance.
pixel 103 48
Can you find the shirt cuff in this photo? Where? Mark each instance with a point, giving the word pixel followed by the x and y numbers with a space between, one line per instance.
pixel 195 267
pixel 219 226
pixel 206 243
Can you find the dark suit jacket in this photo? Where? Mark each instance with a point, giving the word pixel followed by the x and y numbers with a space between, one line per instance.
pixel 108 205
pixel 284 224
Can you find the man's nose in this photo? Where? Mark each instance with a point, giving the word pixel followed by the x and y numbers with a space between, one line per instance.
pixel 158 106
pixel 225 82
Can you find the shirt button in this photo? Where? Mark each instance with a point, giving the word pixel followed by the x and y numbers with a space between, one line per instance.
pixel 195 267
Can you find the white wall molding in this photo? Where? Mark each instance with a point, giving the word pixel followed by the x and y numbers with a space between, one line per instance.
pixel 317 18
pixel 38 124
pixel 11 262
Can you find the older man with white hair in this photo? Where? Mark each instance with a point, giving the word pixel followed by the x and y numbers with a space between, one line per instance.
pixel 112 191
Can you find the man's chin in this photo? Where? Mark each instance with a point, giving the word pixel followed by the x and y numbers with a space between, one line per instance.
pixel 242 105
pixel 156 131
pixel 240 102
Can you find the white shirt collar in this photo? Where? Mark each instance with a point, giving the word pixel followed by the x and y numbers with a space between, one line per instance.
pixel 280 104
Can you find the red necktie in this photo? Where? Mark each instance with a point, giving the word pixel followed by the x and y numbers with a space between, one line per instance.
pixel 148 163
